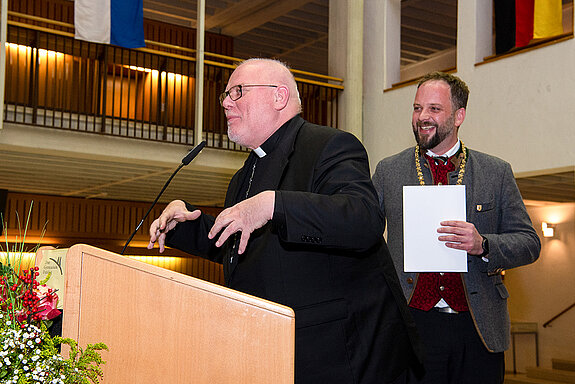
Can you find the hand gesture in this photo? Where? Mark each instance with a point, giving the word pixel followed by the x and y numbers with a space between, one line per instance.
pixel 244 217
pixel 176 212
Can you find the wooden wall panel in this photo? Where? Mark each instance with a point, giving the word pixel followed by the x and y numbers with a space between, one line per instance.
pixel 103 223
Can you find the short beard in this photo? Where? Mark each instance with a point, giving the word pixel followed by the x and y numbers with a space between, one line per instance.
pixel 432 142
pixel 441 132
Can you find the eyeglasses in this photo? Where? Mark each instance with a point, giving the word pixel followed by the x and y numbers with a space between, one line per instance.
pixel 235 92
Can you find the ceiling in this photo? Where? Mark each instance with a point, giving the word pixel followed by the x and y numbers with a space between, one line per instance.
pixel 62 175
pixel 295 31
pixel 557 186
pixel 89 178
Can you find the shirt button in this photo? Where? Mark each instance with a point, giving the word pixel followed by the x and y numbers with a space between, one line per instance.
pixel 409 280
pixel 442 288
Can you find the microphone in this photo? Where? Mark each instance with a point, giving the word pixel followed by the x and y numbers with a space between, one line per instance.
pixel 192 154
pixel 185 161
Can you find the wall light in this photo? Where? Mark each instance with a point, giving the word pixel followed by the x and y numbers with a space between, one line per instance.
pixel 548 229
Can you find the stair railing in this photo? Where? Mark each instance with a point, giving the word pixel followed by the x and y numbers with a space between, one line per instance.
pixel 547 323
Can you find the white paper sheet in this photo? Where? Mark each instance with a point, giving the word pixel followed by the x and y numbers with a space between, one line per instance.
pixel 424 207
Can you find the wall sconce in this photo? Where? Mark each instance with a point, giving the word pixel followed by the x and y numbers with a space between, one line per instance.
pixel 548 229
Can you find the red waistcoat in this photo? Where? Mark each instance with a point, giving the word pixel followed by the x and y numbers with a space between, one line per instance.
pixel 432 286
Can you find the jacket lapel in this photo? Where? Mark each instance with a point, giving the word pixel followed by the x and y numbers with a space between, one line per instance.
pixel 279 157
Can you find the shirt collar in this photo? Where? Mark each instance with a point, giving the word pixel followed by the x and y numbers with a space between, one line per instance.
pixel 447 154
pixel 260 152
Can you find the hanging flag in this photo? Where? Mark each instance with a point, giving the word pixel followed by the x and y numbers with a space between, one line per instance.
pixel 523 22
pixel 117 22
pixel 504 25
pixel 518 22
pixel 548 18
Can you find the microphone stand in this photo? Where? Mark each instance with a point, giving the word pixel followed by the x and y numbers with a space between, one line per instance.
pixel 185 161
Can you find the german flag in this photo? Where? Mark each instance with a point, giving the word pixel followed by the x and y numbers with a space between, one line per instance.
pixel 518 22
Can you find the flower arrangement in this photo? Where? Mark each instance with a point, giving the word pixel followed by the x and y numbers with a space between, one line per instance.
pixel 28 353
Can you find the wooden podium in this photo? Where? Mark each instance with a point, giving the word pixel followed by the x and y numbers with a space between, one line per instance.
pixel 164 327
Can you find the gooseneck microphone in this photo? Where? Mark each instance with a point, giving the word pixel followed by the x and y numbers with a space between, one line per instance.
pixel 185 161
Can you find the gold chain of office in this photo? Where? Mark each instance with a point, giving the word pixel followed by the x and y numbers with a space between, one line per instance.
pixel 461 165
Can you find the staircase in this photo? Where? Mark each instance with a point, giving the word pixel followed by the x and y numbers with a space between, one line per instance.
pixel 563 371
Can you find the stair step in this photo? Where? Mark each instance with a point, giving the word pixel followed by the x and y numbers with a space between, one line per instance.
pixel 554 375
pixel 521 378
pixel 565 365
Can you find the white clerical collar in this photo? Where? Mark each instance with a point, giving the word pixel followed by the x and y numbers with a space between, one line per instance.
pixel 449 153
pixel 260 152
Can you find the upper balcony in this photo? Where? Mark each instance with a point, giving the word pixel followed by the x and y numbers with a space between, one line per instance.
pixel 91 120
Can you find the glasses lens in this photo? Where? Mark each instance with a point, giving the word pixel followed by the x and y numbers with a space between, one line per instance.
pixel 235 92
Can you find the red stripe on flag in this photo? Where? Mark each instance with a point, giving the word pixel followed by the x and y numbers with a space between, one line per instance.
pixel 523 22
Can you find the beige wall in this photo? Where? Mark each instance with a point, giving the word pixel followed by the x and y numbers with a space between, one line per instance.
pixel 520 108
pixel 541 290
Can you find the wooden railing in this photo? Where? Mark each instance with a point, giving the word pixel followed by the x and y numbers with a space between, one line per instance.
pixel 56 81
pixel 548 322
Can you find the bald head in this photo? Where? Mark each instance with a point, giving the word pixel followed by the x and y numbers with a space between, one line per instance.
pixel 270 71
pixel 268 98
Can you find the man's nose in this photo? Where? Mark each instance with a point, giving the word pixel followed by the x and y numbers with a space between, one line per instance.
pixel 423 115
pixel 227 102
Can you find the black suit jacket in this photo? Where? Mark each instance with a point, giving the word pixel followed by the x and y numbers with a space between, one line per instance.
pixel 323 255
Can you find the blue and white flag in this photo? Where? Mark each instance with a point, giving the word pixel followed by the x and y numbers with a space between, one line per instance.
pixel 118 22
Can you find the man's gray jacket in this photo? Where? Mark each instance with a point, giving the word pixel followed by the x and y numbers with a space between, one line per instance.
pixel 495 207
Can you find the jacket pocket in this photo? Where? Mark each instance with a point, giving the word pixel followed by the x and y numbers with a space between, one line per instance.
pixel 502 290
pixel 320 313
pixel 484 206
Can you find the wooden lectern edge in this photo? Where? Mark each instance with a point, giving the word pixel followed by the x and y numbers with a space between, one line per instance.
pixel 75 252
pixel 251 345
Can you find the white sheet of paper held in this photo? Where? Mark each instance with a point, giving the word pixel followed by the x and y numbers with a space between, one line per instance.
pixel 424 207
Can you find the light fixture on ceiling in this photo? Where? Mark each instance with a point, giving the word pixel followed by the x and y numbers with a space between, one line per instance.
pixel 548 229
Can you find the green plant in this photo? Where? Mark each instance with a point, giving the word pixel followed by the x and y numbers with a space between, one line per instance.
pixel 28 354
pixel 82 366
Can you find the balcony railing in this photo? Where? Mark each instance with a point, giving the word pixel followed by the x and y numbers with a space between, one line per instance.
pixel 56 81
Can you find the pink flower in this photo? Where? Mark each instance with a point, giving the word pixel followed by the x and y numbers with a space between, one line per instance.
pixel 46 309
pixel 47 312
pixel 43 307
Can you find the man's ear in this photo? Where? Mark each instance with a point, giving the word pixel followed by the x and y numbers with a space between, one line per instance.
pixel 281 97
pixel 459 117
